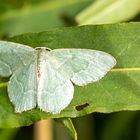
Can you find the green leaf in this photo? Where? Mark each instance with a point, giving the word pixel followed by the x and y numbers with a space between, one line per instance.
pixel 68 125
pixel 8 134
pixel 35 18
pixel 109 11
pixel 9 5
pixel 118 90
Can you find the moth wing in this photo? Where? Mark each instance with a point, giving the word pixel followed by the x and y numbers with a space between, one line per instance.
pixel 82 66
pixel 22 88
pixel 55 92
pixel 12 56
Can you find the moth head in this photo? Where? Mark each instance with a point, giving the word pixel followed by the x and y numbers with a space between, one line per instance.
pixel 43 48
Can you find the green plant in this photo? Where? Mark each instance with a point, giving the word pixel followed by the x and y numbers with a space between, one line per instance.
pixel 118 90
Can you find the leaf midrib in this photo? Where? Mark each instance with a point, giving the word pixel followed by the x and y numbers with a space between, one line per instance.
pixel 125 69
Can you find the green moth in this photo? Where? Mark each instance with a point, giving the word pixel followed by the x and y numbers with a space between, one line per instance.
pixel 44 78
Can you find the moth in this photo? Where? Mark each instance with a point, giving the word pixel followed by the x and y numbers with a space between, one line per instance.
pixel 44 78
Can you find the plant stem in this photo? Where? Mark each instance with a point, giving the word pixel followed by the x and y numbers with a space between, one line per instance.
pixel 43 130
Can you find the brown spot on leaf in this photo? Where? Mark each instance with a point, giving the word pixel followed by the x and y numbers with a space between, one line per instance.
pixel 81 107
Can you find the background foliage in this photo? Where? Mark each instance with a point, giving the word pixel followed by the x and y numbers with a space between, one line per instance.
pixel 119 90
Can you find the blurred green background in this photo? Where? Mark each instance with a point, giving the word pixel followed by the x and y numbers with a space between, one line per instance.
pixel 17 17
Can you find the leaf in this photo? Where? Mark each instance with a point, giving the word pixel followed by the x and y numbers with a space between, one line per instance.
pixel 32 69
pixel 118 90
pixel 68 125
pixel 8 134
pixel 108 11
pixel 8 5
pixel 35 18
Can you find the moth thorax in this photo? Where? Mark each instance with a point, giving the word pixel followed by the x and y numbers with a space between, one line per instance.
pixel 42 53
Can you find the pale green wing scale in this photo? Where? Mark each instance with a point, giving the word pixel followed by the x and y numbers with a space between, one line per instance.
pixel 82 66
pixel 55 91
pixel 13 56
pixel 22 87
